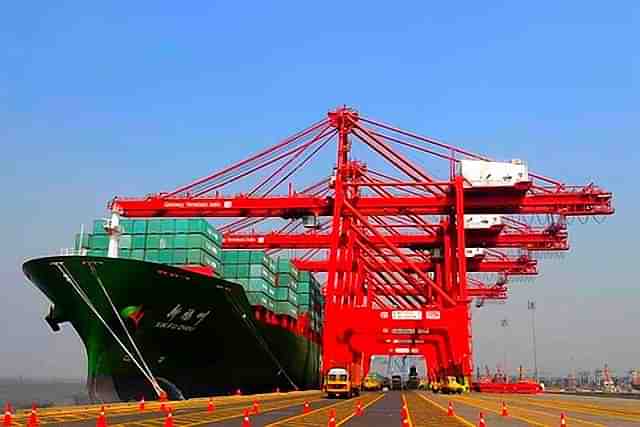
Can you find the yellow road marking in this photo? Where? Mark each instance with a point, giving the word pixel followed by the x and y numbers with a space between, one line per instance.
pixel 405 403
pixel 469 401
pixel 462 420
pixel 568 407
pixel 363 408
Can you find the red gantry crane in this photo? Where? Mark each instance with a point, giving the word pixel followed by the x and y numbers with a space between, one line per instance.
pixel 397 242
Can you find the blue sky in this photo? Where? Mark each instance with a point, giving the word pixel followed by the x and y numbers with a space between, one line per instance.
pixel 98 100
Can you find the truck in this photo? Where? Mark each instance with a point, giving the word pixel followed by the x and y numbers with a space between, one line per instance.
pixel 343 382
pixel 451 385
pixel 396 382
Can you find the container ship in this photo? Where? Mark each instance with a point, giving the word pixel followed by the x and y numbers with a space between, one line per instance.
pixel 174 314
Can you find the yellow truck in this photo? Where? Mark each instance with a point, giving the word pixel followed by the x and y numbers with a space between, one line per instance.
pixel 372 383
pixel 339 382
pixel 451 386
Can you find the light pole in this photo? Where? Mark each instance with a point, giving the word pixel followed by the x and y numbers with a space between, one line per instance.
pixel 504 323
pixel 531 305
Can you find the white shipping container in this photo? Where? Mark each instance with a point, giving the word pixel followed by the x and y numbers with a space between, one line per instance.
pixel 480 173
pixel 476 222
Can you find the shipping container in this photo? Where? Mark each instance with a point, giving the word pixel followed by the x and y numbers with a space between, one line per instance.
pixel 286 308
pixel 151 255
pixel 98 226
pixel 125 241
pixel 138 241
pixel 180 256
pixel 139 226
pixel 97 252
pixel 137 254
pixel 200 257
pixel 165 256
pixel 154 226
pixel 126 226
pixel 99 241
pixel 261 299
pixel 168 226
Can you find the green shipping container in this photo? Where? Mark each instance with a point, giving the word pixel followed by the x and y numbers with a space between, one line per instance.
pixel 244 257
pixel 179 256
pixel 261 285
pixel 258 298
pixel 231 270
pixel 182 226
pixel 230 257
pixel 138 241
pixel 168 226
pixel 153 241
pixel 139 226
pixel 165 242
pixel 180 241
pixel 200 241
pixel 98 226
pixel 200 257
pixel 124 253
pixel 126 226
pixel 242 270
pixel 100 241
pixel 154 226
pixel 284 265
pixel 97 252
pixel 125 241
pixel 137 254
pixel 287 308
pixel 165 256
pixel 151 255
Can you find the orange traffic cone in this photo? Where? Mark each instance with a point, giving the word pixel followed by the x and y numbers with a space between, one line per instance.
pixel 141 405
pixel 481 423
pixel 405 422
pixel 33 418
pixel 359 409
pixel 403 412
pixel 102 419
pixel 332 418
pixel 450 412
pixel 504 411
pixel 563 420
pixel 210 406
pixel 168 422
pixel 8 416
pixel 245 419
pixel 306 408
pixel 256 407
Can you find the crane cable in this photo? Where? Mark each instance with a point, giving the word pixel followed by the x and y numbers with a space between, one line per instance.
pixel 83 296
pixel 92 267
pixel 251 326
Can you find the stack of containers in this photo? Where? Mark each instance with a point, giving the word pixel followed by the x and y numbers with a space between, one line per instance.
pixel 310 298
pixel 287 290
pixel 255 271
pixel 176 242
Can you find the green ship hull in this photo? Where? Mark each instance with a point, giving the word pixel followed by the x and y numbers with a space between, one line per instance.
pixel 197 335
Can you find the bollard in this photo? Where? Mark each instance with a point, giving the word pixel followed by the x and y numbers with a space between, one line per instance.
pixel 359 409
pixel 210 406
pixel 450 412
pixel 33 418
pixel 332 418
pixel 504 411
pixel 306 408
pixel 245 419
pixel 481 423
pixel 563 420
pixel 8 416
pixel 168 422
pixel 102 419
